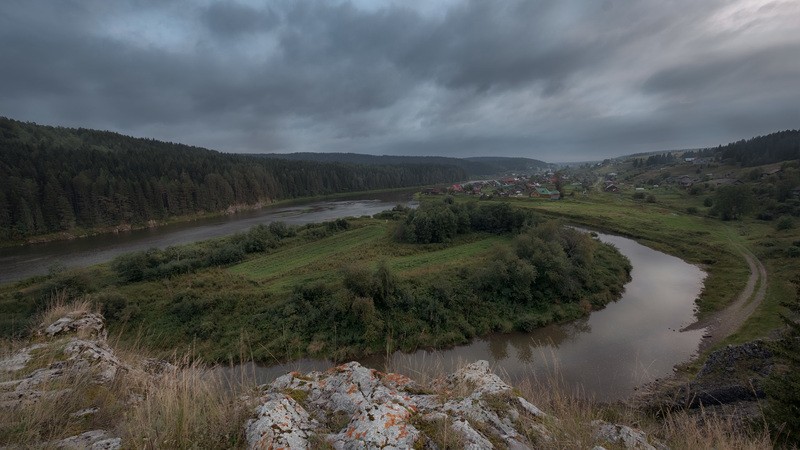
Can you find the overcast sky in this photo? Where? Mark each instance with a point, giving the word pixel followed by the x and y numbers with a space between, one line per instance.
pixel 557 80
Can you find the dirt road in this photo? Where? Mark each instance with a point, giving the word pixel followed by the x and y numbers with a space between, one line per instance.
pixel 724 323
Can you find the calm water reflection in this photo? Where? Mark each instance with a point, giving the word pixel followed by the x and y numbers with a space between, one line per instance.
pixel 17 263
pixel 632 341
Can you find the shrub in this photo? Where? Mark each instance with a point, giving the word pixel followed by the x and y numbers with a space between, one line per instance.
pixel 708 202
pixel 638 196
pixel 691 210
pixel 784 223
pixel 226 254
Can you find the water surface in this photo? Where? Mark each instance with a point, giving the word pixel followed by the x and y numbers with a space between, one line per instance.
pixel 17 263
pixel 605 356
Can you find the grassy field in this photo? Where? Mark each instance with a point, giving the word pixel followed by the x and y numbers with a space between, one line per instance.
pixel 322 260
pixel 663 225
pixel 715 245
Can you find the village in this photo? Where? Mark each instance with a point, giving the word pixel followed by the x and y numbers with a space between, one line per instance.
pixel 632 174
pixel 546 186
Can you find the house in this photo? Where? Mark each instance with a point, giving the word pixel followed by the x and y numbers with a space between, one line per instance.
pixel 686 181
pixel 457 188
pixel 725 182
pixel 612 188
pixel 543 192
pixel 774 171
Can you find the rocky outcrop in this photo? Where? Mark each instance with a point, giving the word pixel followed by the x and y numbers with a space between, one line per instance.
pixel 729 384
pixel 72 350
pixel 730 375
pixel 621 435
pixel 93 440
pixel 353 407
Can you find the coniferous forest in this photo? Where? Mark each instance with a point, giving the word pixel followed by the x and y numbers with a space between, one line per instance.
pixel 57 179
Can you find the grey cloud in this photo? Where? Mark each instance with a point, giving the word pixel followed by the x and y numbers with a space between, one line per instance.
pixel 559 80
pixel 233 19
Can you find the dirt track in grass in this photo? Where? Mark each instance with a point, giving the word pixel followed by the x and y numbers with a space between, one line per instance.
pixel 725 322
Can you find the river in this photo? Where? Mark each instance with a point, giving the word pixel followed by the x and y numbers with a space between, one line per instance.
pixel 632 341
pixel 21 262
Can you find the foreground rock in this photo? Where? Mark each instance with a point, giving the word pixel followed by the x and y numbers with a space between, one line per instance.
pixel 353 407
pixel 71 351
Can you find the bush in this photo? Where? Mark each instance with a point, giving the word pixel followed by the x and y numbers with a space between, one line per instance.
pixel 651 198
pixel 793 252
pixel 226 254
pixel 708 202
pixel 638 196
pixel 691 210
pixel 784 223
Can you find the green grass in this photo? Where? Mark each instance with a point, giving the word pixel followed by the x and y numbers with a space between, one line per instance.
pixel 424 262
pixel 323 260
pixel 312 260
pixel 664 226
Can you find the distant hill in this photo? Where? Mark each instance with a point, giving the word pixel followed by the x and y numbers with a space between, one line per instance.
pixel 56 179
pixel 508 164
pixel 757 151
pixel 478 166
pixel 760 150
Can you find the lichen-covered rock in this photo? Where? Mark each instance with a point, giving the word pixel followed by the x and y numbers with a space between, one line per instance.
pixel 18 360
pixel 621 435
pixel 85 324
pixel 96 356
pixel 74 351
pixel 280 423
pixel 94 440
pixel 379 410
pixel 472 439
pixel 477 378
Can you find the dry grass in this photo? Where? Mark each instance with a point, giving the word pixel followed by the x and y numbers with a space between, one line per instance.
pixel 52 415
pixel 677 429
pixel 61 305
pixel 188 407
pixel 571 412
pixel 684 431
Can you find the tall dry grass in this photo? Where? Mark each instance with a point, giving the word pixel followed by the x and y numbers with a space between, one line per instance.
pixel 186 406
pixel 61 304
pixel 572 411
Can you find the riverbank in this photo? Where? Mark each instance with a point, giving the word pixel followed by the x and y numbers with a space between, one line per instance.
pixel 284 286
pixel 72 386
pixel 80 233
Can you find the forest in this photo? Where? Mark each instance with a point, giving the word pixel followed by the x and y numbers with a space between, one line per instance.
pixel 58 179
pixel 472 166
pixel 760 150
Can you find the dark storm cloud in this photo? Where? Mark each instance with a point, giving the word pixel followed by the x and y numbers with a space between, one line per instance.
pixel 233 19
pixel 557 80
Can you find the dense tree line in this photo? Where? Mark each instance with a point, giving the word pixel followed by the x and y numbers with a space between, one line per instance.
pixel 474 166
pixel 772 148
pixel 60 178
pixel 436 222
